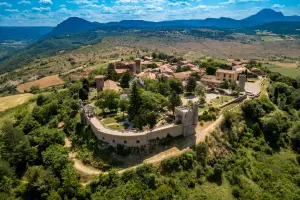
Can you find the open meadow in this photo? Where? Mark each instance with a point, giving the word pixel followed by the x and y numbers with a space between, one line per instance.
pixel 292 72
pixel 15 100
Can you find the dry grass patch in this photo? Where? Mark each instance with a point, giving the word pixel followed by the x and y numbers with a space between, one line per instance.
pixel 41 83
pixel 285 65
pixel 12 101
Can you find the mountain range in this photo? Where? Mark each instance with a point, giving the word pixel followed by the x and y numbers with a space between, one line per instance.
pixel 75 24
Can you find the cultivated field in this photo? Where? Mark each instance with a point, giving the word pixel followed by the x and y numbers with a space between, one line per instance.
pixel 41 83
pixel 292 72
pixel 12 101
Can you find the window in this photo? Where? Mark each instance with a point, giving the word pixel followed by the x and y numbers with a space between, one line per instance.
pixel 103 138
pixel 114 141
pixel 137 141
pixel 224 75
pixel 125 142
pixel 229 75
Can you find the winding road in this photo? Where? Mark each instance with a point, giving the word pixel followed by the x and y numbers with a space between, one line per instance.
pixel 200 137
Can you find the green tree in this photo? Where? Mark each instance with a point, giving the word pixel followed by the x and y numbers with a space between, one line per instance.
pixel 41 99
pixel 200 91
pixel 202 153
pixel 211 70
pixel 34 89
pixel 108 99
pixel 29 124
pixel 135 101
pixel 55 157
pixel 7 177
pixel 83 94
pixel 253 110
pixel 39 182
pixel 190 85
pixel 124 105
pixel 176 85
pixel 174 101
pixel 111 74
pixel 86 84
pixel 273 127
pixel 70 184
pixel 44 137
pixel 294 133
pixel 125 79
pixel 151 85
pixel 16 148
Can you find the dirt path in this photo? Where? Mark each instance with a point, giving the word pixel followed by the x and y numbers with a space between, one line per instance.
pixel 200 137
pixel 78 164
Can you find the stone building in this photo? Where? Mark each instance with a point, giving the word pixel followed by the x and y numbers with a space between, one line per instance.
pixel 138 66
pixel 226 75
pixel 121 67
pixel 188 117
pixel 99 82
pixel 242 81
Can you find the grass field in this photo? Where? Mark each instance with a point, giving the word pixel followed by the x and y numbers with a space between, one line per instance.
pixel 109 120
pixel 12 101
pixel 291 72
pixel 41 83
pixel 286 71
pixel 221 100
pixel 117 127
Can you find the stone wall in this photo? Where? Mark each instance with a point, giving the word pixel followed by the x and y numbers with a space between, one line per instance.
pixel 130 139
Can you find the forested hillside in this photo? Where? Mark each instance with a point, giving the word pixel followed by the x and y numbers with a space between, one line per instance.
pixel 23 33
pixel 47 47
pixel 253 155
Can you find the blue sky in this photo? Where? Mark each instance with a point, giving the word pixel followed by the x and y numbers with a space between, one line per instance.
pixel 52 12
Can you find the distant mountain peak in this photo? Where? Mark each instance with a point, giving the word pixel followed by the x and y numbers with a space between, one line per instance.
pixel 269 11
pixel 266 15
pixel 72 25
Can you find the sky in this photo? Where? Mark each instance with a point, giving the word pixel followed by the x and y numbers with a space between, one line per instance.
pixel 52 12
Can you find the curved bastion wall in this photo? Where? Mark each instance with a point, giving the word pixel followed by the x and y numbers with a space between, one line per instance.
pixel 131 139
pixel 186 119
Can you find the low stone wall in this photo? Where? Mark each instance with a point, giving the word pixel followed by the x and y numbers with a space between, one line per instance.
pixel 131 139
pixel 237 100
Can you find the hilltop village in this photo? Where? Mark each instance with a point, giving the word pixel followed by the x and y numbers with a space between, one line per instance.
pixel 135 103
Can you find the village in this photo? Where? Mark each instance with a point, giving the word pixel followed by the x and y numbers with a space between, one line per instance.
pixel 202 100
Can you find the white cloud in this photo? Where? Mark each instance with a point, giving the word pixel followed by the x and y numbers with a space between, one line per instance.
pixel 12 10
pixel 82 2
pixel 242 1
pixel 62 6
pixel 277 6
pixel 5 4
pixel 202 7
pixel 63 11
pixel 154 8
pixel 179 3
pixel 41 9
pixel 46 2
pixel 126 1
pixel 24 2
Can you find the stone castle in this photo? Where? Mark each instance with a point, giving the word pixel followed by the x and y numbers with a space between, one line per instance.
pixel 186 120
